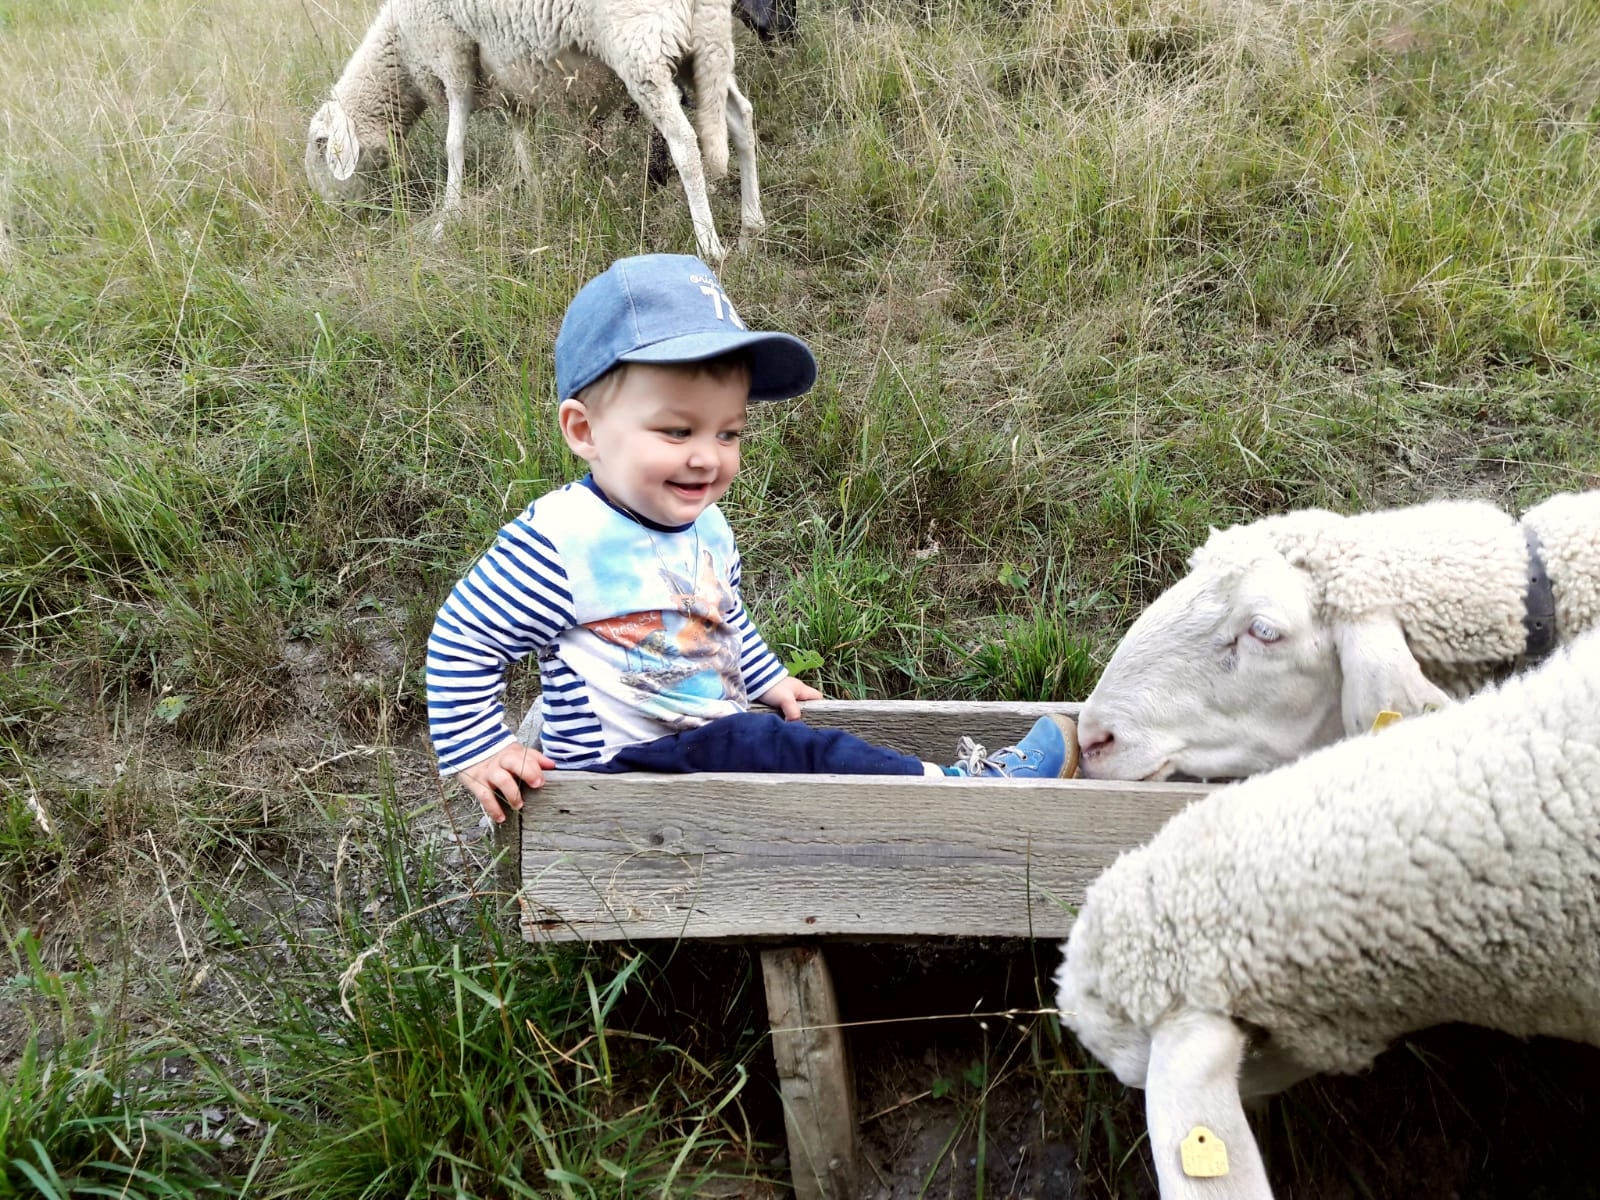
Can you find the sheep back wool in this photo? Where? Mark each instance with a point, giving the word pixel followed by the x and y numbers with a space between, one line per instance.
pixel 1453 571
pixel 532 53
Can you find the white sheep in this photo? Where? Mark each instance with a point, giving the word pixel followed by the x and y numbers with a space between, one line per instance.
pixel 467 54
pixel 1295 630
pixel 1445 869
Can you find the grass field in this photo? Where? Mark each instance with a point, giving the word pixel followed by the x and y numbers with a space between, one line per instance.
pixel 1085 277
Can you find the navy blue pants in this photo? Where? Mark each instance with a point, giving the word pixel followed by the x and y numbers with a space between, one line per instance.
pixel 763 743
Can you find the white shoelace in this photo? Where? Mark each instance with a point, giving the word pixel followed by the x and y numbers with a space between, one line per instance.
pixel 974 758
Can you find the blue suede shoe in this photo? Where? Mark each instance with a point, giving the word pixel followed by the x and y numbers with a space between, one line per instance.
pixel 1049 751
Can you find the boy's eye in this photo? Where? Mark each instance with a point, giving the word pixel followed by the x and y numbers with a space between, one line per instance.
pixel 730 435
pixel 678 434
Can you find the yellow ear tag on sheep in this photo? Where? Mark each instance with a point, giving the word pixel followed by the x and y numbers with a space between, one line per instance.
pixel 344 148
pixel 1384 719
pixel 1203 1154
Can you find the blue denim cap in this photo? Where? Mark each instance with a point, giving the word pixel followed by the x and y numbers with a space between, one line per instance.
pixel 669 308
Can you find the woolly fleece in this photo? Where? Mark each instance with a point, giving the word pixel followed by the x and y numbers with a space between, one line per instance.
pixel 1445 869
pixel 1452 571
pixel 470 54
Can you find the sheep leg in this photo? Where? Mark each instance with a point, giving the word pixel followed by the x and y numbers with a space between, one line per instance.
pixel 713 74
pixel 1193 1081
pixel 657 98
pixel 455 154
pixel 741 127
pixel 519 144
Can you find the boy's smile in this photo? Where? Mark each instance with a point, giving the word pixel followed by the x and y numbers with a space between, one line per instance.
pixel 664 444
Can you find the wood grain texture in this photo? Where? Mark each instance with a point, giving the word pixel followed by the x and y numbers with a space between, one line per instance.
pixel 732 855
pixel 814 1078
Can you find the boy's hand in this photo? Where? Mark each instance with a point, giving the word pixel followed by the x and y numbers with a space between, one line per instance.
pixel 785 696
pixel 504 772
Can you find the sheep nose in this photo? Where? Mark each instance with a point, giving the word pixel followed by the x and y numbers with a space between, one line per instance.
pixel 1093 736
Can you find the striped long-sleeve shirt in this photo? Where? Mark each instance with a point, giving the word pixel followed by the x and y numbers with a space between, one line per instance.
pixel 640 632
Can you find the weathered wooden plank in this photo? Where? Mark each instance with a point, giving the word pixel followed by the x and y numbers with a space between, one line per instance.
pixel 814 1079
pixel 726 855
pixel 928 729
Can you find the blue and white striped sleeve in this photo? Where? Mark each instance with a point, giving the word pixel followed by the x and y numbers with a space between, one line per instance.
pixel 513 602
pixel 759 666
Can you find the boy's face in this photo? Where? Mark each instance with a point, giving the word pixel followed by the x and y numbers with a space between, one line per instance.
pixel 665 443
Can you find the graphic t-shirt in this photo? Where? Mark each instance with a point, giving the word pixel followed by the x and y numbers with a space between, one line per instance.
pixel 640 632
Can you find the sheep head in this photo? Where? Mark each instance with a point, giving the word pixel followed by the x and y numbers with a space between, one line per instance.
pixel 1105 1029
pixel 1130 1044
pixel 1194 1064
pixel 770 19
pixel 1247 663
pixel 340 165
pixel 1228 672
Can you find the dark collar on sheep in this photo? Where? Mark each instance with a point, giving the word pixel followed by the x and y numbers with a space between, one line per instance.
pixel 1539 607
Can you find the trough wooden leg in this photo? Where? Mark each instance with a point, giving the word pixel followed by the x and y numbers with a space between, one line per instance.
pixel 819 1102
pixel 508 873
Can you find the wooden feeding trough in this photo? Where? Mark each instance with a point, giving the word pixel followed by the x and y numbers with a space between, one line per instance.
pixel 791 861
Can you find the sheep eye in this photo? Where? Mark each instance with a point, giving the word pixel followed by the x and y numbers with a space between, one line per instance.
pixel 1264 631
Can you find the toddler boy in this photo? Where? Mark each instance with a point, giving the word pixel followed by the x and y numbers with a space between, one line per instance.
pixel 626 583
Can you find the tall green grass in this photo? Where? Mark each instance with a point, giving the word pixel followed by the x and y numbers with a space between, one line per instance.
pixel 1085 278
pixel 428 1053
pixel 1094 274
pixel 378 1035
pixel 86 1109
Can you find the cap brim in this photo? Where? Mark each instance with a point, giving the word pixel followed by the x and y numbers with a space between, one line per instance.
pixel 781 365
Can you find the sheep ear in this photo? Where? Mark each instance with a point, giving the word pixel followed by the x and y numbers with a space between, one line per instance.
pixel 344 147
pixel 1199 1137
pixel 1380 673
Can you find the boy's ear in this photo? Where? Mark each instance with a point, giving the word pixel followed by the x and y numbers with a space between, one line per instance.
pixel 574 420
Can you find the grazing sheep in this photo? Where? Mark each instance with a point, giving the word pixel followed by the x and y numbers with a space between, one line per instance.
pixel 1446 869
pixel 1295 630
pixel 467 54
